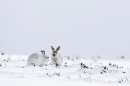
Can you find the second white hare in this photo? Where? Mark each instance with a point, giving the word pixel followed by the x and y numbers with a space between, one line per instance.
pixel 56 57
pixel 38 59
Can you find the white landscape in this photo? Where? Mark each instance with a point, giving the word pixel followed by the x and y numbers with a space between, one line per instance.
pixel 93 72
pixel 83 29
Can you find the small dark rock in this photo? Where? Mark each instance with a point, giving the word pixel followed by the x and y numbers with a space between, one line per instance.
pixel 105 67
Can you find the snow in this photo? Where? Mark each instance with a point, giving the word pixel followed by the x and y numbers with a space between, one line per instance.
pixel 95 71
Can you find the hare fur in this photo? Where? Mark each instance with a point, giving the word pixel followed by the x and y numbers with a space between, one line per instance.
pixel 56 57
pixel 38 59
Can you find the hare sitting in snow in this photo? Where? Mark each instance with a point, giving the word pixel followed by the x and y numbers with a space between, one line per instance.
pixel 38 59
pixel 56 57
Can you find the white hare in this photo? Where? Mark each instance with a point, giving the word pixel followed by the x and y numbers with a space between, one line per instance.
pixel 56 57
pixel 38 59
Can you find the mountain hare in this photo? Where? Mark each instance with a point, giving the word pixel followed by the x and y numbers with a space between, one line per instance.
pixel 56 57
pixel 38 59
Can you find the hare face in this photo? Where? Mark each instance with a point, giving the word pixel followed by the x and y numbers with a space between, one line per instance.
pixel 46 58
pixel 54 52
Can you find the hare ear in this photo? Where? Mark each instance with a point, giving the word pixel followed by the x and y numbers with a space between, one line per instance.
pixel 58 48
pixel 53 49
pixel 42 51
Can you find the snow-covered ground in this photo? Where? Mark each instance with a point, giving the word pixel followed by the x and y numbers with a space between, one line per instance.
pixel 92 72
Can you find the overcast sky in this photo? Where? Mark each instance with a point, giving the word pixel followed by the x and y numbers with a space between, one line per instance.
pixel 81 27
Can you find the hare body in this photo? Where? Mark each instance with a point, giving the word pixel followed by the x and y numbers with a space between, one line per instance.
pixel 56 57
pixel 38 59
pixel 57 60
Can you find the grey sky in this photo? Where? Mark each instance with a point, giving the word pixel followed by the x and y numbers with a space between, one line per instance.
pixel 81 27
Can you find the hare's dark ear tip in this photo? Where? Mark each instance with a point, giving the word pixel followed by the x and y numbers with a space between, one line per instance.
pixel 42 50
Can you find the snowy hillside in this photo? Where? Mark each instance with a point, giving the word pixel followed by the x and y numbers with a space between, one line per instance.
pixel 75 71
